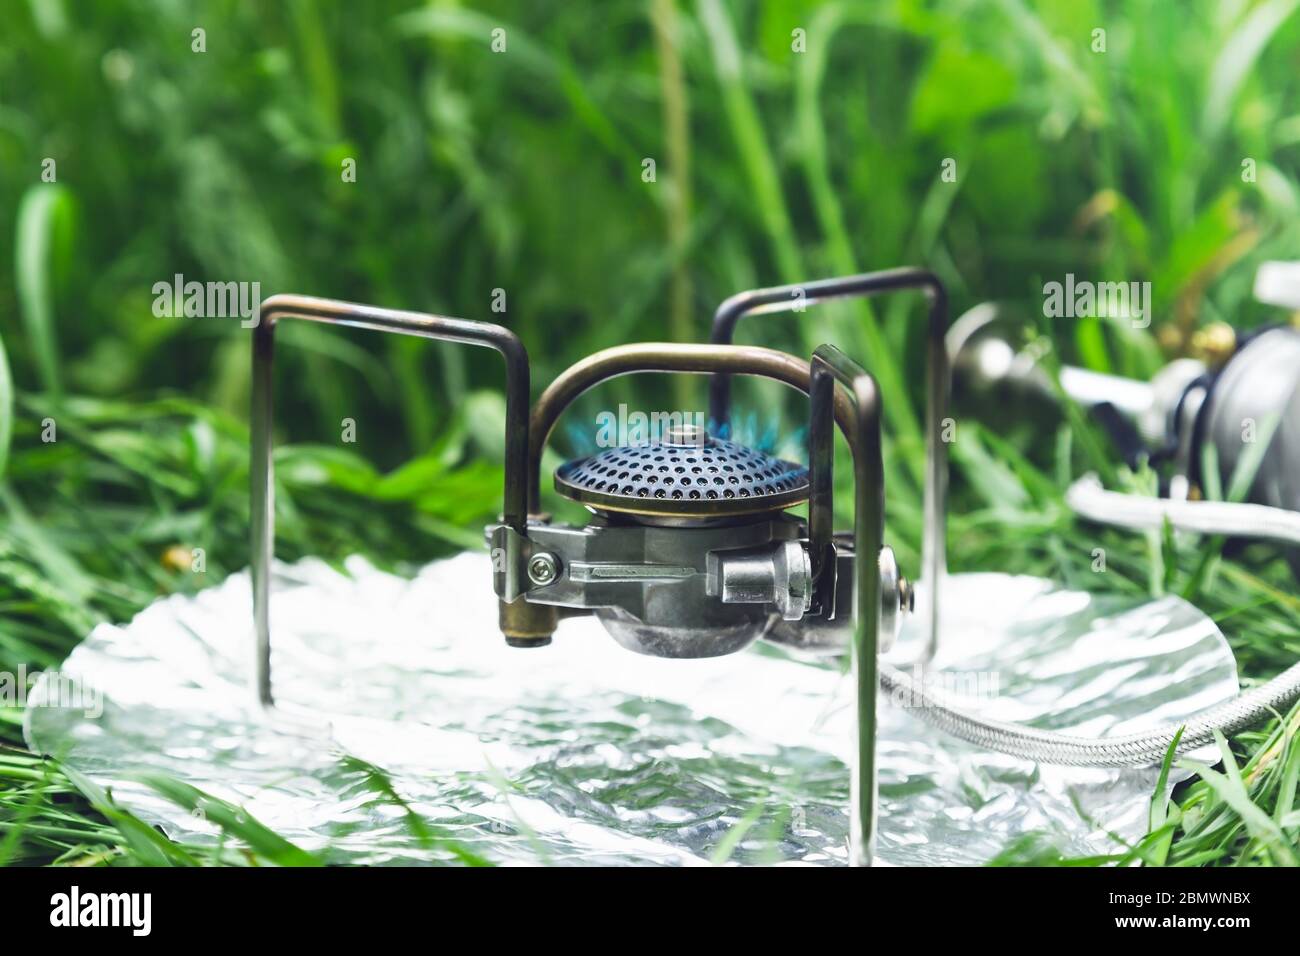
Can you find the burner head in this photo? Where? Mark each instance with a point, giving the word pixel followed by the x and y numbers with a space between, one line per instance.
pixel 687 475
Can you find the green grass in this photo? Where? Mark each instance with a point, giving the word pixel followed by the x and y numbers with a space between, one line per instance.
pixel 521 171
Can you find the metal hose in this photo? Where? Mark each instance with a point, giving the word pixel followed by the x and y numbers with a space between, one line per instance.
pixel 1089 499
pixel 1131 750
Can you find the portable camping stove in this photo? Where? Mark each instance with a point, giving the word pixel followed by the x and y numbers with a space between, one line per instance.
pixel 700 561
pixel 691 551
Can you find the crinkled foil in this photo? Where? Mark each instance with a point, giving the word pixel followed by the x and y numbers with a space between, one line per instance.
pixel 586 753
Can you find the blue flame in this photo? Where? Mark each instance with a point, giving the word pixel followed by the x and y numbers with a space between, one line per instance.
pixel 760 432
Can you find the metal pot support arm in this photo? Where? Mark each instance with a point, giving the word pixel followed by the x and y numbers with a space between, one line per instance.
pixel 792 298
pixel 829 366
pixel 261 470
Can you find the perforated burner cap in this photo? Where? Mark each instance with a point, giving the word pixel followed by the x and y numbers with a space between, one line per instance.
pixel 684 476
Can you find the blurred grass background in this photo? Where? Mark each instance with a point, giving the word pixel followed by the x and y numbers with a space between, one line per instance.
pixel 1173 156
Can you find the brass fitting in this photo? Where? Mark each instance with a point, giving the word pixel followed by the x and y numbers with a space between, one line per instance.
pixel 1214 344
pixel 527 625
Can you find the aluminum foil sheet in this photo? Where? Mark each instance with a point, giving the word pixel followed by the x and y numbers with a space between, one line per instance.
pixel 584 753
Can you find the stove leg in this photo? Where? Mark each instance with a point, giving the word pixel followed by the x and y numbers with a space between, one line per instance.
pixel 830 365
pixel 261 466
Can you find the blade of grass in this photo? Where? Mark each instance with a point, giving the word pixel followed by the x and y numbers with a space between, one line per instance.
pixel 233 820
pixel 1160 804
pixel 728 845
pixel 44 216
pixel 751 143
pixel 1229 788
pixel 6 409
pixel 149 846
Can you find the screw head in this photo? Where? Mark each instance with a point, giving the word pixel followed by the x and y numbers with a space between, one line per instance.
pixel 906 596
pixel 543 569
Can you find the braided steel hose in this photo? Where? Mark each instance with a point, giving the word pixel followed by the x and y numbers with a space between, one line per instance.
pixel 1087 498
pixel 1131 750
